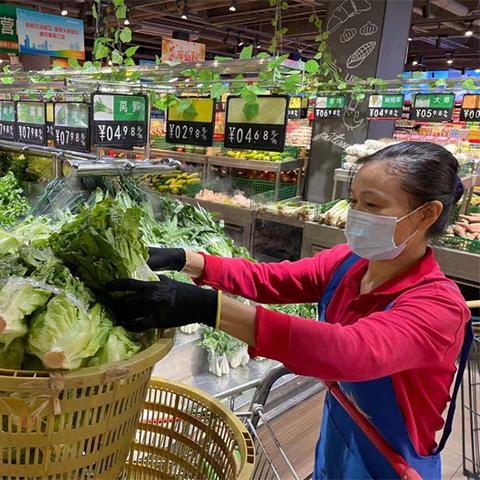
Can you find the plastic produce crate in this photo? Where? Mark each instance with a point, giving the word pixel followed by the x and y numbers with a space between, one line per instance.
pixel 255 187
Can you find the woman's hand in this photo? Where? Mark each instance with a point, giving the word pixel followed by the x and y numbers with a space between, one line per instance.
pixel 163 304
pixel 176 259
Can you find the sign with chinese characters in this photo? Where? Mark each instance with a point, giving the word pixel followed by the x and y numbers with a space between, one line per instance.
pixel 119 120
pixel 385 107
pixel 175 49
pixel 49 121
pixel 45 34
pixel 7 120
pixel 296 108
pixel 258 126
pixel 329 107
pixel 71 126
pixel 470 111
pixel 193 125
pixel 433 107
pixel 8 29
pixel 31 123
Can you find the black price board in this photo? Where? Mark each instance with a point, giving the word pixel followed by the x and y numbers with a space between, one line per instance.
pixel 385 107
pixel 260 126
pixel 433 107
pixel 296 108
pixel 191 122
pixel 31 123
pixel 119 120
pixel 71 126
pixel 7 120
pixel 329 107
pixel 50 121
pixel 470 111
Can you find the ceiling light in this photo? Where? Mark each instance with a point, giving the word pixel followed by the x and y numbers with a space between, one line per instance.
pixel 477 70
pixel 185 12
pixel 64 11
pixel 449 61
pixel 184 16
pixel 240 42
pixel 414 63
pixel 410 39
pixel 233 6
pixel 468 33
pixel 126 21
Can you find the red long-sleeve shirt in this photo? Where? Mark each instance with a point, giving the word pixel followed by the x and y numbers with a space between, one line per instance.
pixel 416 342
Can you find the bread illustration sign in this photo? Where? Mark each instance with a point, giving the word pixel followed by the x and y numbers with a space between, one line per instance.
pixel 348 34
pixel 360 54
pixel 368 29
pixel 346 10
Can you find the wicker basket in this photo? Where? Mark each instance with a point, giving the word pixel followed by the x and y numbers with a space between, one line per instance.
pixel 74 425
pixel 186 434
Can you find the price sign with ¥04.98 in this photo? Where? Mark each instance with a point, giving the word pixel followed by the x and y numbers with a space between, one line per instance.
pixel 31 123
pixel 258 126
pixel 329 107
pixel 7 120
pixel 433 107
pixel 470 111
pixel 71 126
pixel 119 120
pixel 385 107
pixel 192 125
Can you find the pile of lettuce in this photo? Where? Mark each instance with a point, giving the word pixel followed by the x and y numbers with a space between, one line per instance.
pixel 13 204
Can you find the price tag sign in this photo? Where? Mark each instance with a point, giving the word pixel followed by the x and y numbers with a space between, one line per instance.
pixel 470 111
pixel 385 107
pixel 119 120
pixel 7 120
pixel 50 135
pixel 258 126
pixel 296 108
pixel 193 125
pixel 31 123
pixel 71 126
pixel 433 107
pixel 329 107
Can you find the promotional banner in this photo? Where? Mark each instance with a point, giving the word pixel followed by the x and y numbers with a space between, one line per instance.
pixel 174 49
pixel 45 34
pixel 8 29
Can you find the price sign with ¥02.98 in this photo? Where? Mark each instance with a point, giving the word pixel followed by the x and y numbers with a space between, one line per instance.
pixel 31 123
pixel 470 111
pixel 329 107
pixel 433 107
pixel 259 126
pixel 71 126
pixel 7 120
pixel 192 125
pixel 119 120
pixel 385 107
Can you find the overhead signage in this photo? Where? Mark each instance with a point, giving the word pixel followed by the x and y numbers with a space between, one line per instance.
pixel 433 107
pixel 470 111
pixel 174 49
pixel 71 126
pixel 385 107
pixel 260 126
pixel 31 123
pixel 119 120
pixel 54 35
pixel 193 125
pixel 329 107
pixel 7 120
pixel 8 29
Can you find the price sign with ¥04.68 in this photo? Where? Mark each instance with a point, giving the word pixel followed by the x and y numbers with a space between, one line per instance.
pixel 31 123
pixel 258 126
pixel 385 107
pixel 329 107
pixel 433 107
pixel 7 120
pixel 71 126
pixel 119 120
pixel 193 125
pixel 470 111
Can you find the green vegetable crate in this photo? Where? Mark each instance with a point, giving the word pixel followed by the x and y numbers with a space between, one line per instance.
pixel 459 243
pixel 74 425
pixel 255 187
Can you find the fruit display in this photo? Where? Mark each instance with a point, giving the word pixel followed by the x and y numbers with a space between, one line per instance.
pixel 260 155
pixel 172 182
pixel 285 177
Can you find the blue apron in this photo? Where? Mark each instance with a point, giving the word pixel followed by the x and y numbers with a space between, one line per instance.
pixel 343 451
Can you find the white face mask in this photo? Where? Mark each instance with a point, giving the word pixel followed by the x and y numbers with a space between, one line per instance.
pixel 373 236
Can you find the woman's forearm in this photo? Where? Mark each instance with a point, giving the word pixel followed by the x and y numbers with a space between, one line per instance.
pixel 238 319
pixel 195 264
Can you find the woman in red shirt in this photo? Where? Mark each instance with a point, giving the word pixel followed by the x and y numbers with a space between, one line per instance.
pixel 392 325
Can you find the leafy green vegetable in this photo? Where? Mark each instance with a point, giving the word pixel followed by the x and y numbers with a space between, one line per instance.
pixel 11 356
pixel 13 204
pixel 101 107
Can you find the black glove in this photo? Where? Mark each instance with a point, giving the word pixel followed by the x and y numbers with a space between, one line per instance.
pixel 166 259
pixel 163 304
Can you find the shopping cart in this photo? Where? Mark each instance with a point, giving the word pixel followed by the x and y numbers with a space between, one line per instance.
pixel 471 406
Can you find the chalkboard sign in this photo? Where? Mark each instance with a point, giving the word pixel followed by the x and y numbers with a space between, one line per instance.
pixel 193 125
pixel 119 120
pixel 257 128
pixel 470 111
pixel 433 107
pixel 71 126
pixel 385 107
pixel 329 107
pixel 31 123
pixel 7 120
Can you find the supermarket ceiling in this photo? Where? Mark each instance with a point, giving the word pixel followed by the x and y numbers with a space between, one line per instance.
pixel 437 31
